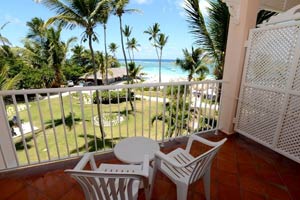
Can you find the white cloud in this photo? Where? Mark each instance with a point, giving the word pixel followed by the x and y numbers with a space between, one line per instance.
pixel 143 1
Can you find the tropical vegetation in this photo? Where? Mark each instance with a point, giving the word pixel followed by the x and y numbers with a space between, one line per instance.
pixel 210 35
pixel 194 63
pixel 158 41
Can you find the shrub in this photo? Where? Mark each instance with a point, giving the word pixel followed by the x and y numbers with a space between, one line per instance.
pixel 104 95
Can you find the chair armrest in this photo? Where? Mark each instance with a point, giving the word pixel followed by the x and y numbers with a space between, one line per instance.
pixel 202 140
pixel 165 158
pixel 88 157
pixel 145 166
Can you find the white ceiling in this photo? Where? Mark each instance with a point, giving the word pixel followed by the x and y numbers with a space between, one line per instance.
pixel 278 5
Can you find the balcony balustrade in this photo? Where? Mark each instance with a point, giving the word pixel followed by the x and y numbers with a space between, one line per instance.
pixel 45 125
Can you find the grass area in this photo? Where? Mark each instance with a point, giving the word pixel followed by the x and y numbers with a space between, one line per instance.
pixel 63 141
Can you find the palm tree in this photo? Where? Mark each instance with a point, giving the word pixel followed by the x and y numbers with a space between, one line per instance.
pixel 37 30
pixel 7 83
pixel 119 10
pixel 84 14
pixel 43 47
pixel 80 56
pixel 132 45
pixel 104 14
pixel 153 32
pixel 158 40
pixel 113 48
pixel 134 71
pixel 162 41
pixel 57 54
pixel 3 40
pixel 193 63
pixel 211 37
pixel 100 62
pixel 127 32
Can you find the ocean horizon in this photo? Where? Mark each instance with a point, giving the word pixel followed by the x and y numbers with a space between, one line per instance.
pixel 169 70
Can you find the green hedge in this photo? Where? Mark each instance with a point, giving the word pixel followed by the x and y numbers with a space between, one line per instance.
pixel 113 96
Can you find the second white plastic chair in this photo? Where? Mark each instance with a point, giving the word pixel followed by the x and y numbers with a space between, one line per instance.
pixel 184 169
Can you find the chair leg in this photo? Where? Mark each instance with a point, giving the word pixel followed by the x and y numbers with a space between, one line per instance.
pixel 206 181
pixel 182 191
pixel 152 176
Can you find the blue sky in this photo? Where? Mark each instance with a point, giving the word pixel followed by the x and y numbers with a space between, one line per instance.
pixel 168 13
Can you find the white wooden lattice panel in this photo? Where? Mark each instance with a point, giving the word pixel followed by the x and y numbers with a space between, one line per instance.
pixel 289 139
pixel 259 113
pixel 269 101
pixel 296 81
pixel 271 47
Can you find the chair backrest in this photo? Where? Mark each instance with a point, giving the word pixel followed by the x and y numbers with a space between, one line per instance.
pixel 106 186
pixel 111 181
pixel 202 163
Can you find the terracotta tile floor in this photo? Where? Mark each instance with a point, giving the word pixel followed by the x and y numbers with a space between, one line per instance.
pixel 242 169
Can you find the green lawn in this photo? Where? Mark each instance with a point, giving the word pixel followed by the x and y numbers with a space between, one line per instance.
pixel 62 142
pixel 135 124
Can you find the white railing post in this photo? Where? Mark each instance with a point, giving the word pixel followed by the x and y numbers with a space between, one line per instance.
pixel 7 156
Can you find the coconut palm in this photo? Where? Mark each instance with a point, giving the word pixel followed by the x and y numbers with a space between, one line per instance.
pixel 113 48
pixel 132 45
pixel 80 56
pixel 44 48
pixel 3 40
pixel 85 14
pixel 37 30
pixel 127 33
pixel 158 41
pixel 211 37
pixel 57 54
pixel 153 31
pixel 119 8
pixel 161 42
pixel 193 63
pixel 104 15
pixel 7 83
pixel 134 72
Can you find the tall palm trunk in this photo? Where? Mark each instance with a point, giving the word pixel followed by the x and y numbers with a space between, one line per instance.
pixel 159 60
pixel 125 60
pixel 106 56
pixel 97 92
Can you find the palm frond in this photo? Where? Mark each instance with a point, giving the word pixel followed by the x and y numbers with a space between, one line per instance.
pixel 264 15
pixel 198 27
pixel 218 24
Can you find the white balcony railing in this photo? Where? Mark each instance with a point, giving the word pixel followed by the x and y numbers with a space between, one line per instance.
pixel 46 125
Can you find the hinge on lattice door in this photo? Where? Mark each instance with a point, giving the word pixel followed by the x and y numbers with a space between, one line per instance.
pixel 234 121
pixel 246 44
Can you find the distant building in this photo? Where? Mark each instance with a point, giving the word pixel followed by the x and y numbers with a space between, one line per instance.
pixel 114 74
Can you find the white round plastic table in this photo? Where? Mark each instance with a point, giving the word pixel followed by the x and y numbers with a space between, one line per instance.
pixel 132 150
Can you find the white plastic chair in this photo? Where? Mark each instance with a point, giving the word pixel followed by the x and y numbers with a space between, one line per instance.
pixel 111 181
pixel 184 169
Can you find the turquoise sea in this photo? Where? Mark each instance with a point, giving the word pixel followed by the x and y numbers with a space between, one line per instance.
pixel 168 69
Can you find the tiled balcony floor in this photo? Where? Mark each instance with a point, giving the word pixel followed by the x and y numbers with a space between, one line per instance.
pixel 243 169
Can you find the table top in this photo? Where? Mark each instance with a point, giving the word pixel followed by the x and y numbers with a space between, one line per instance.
pixel 132 150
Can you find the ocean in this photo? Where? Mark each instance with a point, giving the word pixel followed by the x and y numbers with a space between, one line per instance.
pixel 169 70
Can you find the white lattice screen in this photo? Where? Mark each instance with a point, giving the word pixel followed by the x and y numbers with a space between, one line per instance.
pixel 269 102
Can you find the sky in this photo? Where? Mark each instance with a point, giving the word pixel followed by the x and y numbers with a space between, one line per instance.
pixel 168 13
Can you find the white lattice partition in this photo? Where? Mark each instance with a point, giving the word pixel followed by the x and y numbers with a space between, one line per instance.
pixel 269 102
